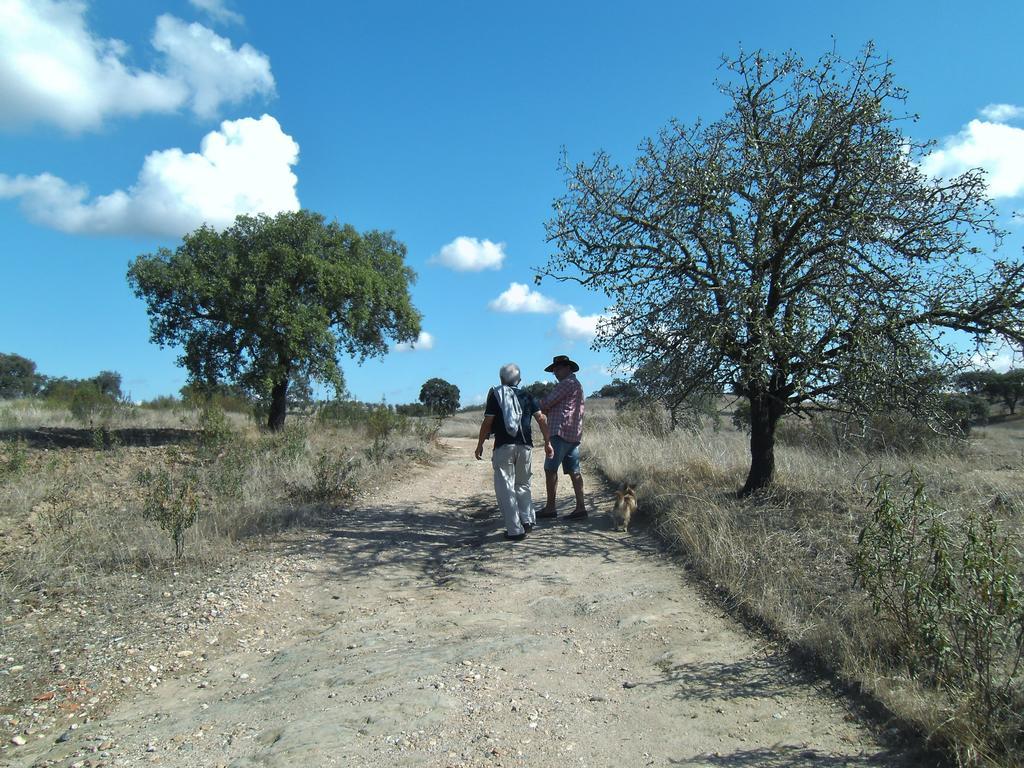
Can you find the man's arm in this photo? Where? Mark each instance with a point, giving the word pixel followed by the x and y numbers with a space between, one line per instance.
pixel 556 395
pixel 542 422
pixel 485 430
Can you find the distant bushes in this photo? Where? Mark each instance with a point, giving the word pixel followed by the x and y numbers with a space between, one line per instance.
pixel 892 432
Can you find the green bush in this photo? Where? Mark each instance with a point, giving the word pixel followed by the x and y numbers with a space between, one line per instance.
pixel 381 425
pixel 172 503
pixel 949 588
pixel 332 478
pixel 13 457
pixel 215 432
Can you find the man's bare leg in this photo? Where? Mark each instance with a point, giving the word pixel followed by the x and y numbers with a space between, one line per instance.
pixel 577 486
pixel 551 479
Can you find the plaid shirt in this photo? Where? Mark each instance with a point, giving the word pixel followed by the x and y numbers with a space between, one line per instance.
pixel 564 409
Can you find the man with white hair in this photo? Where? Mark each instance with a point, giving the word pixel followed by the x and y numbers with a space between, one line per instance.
pixel 507 415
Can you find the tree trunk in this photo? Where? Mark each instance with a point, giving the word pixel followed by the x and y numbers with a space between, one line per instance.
pixel 278 405
pixel 764 416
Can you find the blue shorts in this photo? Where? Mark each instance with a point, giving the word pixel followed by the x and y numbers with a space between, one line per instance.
pixel 567 454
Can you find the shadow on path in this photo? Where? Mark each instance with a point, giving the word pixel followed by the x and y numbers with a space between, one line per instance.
pixel 444 538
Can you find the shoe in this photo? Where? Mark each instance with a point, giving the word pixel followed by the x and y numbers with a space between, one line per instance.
pixel 515 537
pixel 579 514
pixel 548 515
pixel 528 527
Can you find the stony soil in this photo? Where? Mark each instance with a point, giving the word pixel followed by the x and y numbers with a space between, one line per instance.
pixel 410 633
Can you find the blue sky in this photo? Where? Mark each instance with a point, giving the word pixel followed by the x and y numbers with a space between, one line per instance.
pixel 122 122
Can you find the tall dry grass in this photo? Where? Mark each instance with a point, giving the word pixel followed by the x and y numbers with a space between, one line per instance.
pixel 784 557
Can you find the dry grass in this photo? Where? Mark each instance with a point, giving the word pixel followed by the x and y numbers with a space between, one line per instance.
pixel 784 557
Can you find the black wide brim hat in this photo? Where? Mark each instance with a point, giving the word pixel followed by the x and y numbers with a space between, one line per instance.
pixel 562 360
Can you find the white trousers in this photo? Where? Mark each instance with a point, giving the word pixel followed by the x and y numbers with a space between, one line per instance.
pixel 512 486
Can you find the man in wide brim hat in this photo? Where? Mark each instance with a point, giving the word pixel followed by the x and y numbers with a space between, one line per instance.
pixel 562 360
pixel 564 409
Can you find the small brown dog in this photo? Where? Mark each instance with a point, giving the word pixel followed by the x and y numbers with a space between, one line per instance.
pixel 625 506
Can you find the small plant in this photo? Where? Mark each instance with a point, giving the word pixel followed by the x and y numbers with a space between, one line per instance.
pixel 58 506
pixel 332 478
pixel 173 505
pixel 15 457
pixel 290 442
pixel 951 591
pixel 214 430
pixel 381 424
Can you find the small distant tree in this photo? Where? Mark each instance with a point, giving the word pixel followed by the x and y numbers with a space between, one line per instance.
pixel 109 384
pixel 270 299
pixel 1007 388
pixel 440 397
pixel 18 377
pixel 794 251
pixel 539 389
pixel 619 389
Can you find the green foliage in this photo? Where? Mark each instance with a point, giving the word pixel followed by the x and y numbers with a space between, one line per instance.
pixel 332 478
pixel 162 403
pixel 1007 388
pixel 89 405
pixel 13 457
pixel 793 248
pixel 18 377
pixel 270 299
pixel 440 397
pixel 290 443
pixel 343 412
pixel 619 389
pixel 91 401
pixel 215 431
pixel 539 389
pixel 171 502
pixel 963 411
pixel 227 397
pixel 413 409
pixel 382 424
pixel 950 589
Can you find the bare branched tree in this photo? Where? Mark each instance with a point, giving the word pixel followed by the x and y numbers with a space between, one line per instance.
pixel 793 251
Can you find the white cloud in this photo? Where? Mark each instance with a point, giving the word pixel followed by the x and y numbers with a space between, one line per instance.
pixel 1001 113
pixel 521 298
pixel 425 341
pixel 468 254
pixel 994 146
pixel 214 72
pixel 53 69
pixel 576 327
pixel 218 11
pixel 245 167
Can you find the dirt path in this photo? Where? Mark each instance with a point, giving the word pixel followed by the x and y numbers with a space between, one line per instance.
pixel 412 634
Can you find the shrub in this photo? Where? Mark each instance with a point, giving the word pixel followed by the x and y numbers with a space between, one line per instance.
pixel 949 589
pixel 88 404
pixel 170 502
pixel 332 478
pixel 14 455
pixel 381 425
pixel 215 431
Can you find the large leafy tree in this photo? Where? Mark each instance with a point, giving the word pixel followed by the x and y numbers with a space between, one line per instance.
pixel 440 396
pixel 276 299
pixel 793 251
pixel 18 377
